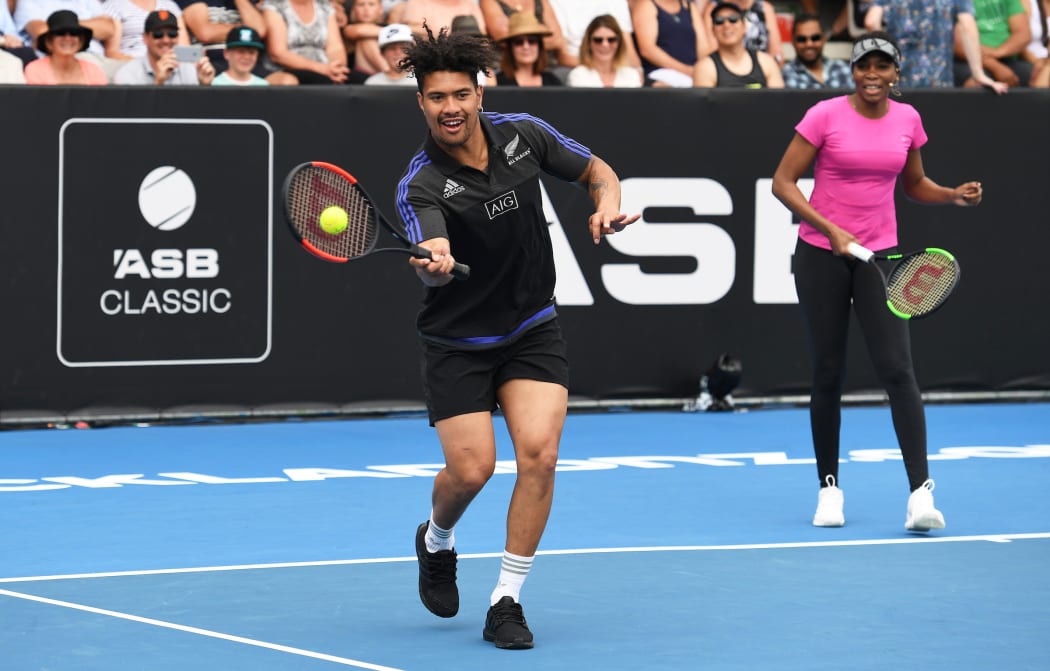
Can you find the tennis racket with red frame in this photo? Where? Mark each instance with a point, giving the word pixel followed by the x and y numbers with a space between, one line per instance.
pixel 312 187
pixel 919 283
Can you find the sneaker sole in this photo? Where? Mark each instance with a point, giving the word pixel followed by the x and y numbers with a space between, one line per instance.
pixel 505 645
pixel 924 524
pixel 831 524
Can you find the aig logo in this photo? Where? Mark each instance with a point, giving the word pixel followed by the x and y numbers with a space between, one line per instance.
pixel 502 204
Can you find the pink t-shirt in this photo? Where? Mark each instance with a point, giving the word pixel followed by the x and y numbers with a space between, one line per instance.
pixel 40 72
pixel 858 161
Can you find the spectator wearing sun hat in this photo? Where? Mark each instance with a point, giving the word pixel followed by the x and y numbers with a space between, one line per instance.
pixel 393 40
pixel 64 38
pixel 243 48
pixel 31 18
pixel 524 61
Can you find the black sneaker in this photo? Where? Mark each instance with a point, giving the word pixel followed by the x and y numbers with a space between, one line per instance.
pixel 506 627
pixel 437 577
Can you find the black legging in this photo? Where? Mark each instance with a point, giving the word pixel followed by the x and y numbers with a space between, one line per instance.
pixel 827 284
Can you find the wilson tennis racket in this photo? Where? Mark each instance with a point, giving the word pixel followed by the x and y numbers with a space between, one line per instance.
pixel 919 283
pixel 333 217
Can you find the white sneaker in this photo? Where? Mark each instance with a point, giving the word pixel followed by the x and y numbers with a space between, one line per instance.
pixel 922 516
pixel 829 506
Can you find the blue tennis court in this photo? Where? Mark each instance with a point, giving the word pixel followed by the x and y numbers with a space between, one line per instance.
pixel 677 541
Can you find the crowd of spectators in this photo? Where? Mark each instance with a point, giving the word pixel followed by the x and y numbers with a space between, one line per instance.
pixel 580 43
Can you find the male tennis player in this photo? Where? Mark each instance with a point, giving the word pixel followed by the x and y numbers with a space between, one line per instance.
pixel 492 341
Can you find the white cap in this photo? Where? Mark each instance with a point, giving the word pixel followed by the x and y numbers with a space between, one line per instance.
pixel 394 33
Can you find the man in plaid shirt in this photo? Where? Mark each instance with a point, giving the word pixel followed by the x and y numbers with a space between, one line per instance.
pixel 809 69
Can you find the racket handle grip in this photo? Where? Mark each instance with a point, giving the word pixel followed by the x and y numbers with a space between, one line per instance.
pixel 860 252
pixel 460 271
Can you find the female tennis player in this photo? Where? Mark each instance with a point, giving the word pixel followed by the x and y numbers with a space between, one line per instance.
pixel 491 341
pixel 859 145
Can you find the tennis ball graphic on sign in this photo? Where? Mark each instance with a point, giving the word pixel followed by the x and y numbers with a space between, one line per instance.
pixel 167 198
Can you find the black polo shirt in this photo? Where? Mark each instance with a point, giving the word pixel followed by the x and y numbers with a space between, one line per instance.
pixel 495 223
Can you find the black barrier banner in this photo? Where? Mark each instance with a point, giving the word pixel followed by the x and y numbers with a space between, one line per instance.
pixel 144 274
pixel 152 267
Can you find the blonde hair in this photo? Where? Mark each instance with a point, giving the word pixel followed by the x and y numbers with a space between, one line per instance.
pixel 603 21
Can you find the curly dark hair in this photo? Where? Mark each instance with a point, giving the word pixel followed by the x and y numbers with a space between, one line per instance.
pixel 448 52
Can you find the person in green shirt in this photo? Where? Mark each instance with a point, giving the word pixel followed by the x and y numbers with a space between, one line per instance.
pixel 1004 33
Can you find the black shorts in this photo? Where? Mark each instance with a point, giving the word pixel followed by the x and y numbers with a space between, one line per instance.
pixel 457 382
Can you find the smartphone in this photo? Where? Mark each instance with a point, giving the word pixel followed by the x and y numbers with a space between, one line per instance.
pixel 190 53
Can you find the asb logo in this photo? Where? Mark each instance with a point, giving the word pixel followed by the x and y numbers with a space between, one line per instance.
pixel 165 257
pixel 502 204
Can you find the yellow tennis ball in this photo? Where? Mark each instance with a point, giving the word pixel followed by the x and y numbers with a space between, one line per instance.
pixel 333 220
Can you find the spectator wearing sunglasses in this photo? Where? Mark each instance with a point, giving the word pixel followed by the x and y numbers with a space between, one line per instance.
pixel 733 65
pixel 524 60
pixel 497 15
pixel 810 69
pixel 160 66
pixel 761 30
pixel 64 38
pixel 603 58
pixel 31 18
pixel 131 15
pixel 574 16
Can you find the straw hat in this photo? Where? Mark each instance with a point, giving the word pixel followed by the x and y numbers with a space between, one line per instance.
pixel 525 23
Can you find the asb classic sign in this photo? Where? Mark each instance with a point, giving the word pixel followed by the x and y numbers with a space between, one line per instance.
pixel 165 256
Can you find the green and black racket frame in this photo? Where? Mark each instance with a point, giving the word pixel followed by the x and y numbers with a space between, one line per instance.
pixel 919 283
pixel 314 186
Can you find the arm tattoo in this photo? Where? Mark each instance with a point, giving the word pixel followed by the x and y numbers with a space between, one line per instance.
pixel 598 188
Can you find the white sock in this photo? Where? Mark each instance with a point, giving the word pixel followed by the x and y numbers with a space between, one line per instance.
pixel 438 539
pixel 512 574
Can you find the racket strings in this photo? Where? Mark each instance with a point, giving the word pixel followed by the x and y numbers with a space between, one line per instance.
pixel 313 190
pixel 921 283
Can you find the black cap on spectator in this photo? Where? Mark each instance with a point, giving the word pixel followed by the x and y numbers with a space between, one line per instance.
pixel 65 22
pixel 243 36
pixel 160 19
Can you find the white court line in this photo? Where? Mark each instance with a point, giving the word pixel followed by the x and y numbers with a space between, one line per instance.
pixel 991 538
pixel 201 632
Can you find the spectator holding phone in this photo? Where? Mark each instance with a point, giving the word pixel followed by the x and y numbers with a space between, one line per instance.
pixel 131 17
pixel 160 66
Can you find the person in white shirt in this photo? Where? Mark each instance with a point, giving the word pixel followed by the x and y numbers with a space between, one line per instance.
pixel 393 40
pixel 575 15
pixel 603 58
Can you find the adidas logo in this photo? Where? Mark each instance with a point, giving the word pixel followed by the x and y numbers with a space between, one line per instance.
pixel 452 188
